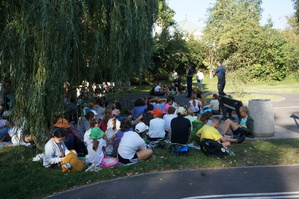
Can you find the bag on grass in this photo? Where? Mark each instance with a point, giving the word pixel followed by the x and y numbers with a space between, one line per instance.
pixel 213 148
pixel 72 162
pixel 181 150
pixel 109 162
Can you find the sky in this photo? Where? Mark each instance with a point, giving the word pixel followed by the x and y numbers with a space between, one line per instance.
pixel 196 11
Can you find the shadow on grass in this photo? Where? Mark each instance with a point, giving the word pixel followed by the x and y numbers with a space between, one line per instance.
pixel 22 178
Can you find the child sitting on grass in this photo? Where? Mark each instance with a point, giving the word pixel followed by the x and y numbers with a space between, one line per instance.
pixel 94 122
pixel 55 150
pixel 197 125
pixel 95 146
pixel 211 132
pixel 214 105
pixel 244 128
pixel 132 147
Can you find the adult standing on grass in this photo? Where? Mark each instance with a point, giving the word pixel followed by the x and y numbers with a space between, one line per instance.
pixel 189 80
pixel 199 78
pixel 220 72
pixel 174 74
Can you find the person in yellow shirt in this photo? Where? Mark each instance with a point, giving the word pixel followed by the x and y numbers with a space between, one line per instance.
pixel 211 132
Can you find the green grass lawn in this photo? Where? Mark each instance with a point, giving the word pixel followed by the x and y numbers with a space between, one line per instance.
pixel 288 85
pixel 22 178
pixel 285 86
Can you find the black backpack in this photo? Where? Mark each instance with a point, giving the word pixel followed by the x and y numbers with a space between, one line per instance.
pixel 212 148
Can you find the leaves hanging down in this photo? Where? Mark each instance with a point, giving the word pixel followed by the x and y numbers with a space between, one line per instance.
pixel 46 43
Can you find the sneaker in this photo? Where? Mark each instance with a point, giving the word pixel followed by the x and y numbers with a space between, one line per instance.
pixel 230 152
pixel 241 139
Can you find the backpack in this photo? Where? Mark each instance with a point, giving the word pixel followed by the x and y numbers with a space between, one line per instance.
pixel 212 148
pixel 181 150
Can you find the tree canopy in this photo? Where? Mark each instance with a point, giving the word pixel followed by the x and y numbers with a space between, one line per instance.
pixel 233 33
pixel 46 43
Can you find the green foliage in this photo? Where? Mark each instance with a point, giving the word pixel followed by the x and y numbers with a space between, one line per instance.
pixel 165 15
pixel 169 50
pixel 291 47
pixel 46 43
pixel 174 52
pixel 233 33
pixel 296 6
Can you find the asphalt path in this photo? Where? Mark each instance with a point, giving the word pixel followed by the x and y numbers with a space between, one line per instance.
pixel 244 182
pixel 284 109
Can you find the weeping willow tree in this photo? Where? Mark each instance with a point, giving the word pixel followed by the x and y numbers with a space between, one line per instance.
pixel 45 43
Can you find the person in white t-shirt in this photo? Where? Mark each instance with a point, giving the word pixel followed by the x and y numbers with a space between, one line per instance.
pixel 158 91
pixel 95 145
pixel 199 78
pixel 168 117
pixel 132 147
pixel 214 105
pixel 156 126
pixel 113 122
pixel 174 74
pixel 195 104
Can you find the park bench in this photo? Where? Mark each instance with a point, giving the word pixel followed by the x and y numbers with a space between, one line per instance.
pixel 228 105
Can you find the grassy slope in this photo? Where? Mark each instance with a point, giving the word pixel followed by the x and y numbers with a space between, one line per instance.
pixel 285 86
pixel 26 179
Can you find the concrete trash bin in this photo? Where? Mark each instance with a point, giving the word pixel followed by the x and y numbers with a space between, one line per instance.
pixel 261 111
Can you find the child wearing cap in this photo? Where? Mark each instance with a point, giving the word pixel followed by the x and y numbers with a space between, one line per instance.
pixel 95 146
pixel 94 122
pixel 180 127
pixel 132 147
pixel 156 126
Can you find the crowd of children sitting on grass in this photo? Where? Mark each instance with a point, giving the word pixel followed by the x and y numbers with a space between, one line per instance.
pixel 104 130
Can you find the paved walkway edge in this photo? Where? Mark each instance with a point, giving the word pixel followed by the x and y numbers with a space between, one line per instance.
pixel 174 171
